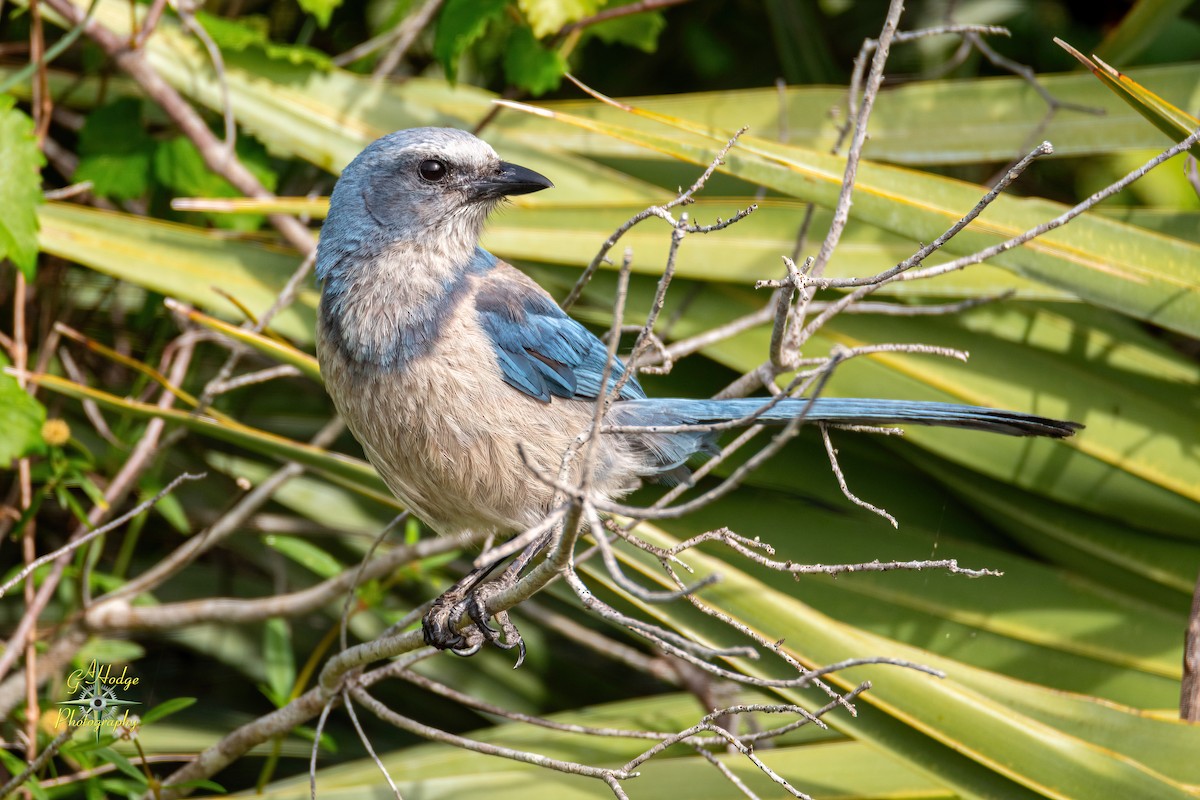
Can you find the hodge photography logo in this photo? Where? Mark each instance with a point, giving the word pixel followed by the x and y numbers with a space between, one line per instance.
pixel 99 699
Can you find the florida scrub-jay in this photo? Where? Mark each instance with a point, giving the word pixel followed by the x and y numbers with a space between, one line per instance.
pixel 442 358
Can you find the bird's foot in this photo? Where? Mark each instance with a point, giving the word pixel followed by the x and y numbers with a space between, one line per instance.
pixel 477 610
pixel 441 624
pixel 470 597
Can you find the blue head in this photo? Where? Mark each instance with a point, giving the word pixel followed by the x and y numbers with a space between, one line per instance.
pixel 428 188
pixel 402 231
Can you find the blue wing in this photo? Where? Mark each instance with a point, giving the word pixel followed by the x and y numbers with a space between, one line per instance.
pixel 540 350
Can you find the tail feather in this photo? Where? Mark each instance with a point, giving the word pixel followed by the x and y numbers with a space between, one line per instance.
pixel 847 411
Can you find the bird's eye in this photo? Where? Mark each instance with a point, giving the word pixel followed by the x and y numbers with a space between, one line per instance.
pixel 432 170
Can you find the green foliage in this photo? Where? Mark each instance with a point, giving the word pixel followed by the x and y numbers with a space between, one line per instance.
pixel 546 17
pixel 20 188
pixel 531 66
pixel 179 167
pixel 21 420
pixel 279 661
pixel 635 30
pixel 321 10
pixel 461 23
pixel 115 151
pixel 166 708
pixel 253 33
pixel 532 58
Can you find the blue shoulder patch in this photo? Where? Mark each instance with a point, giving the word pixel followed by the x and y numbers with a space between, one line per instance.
pixel 540 350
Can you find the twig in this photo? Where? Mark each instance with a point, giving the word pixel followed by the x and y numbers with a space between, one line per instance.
pixel 404 35
pixel 216 156
pixel 37 763
pixel 437 735
pixel 360 572
pixel 1001 185
pixel 316 745
pixel 662 212
pixel 841 211
pixel 1058 221
pixel 362 737
pixel 1027 74
pixel 638 7
pixel 841 479
pixel 254 378
pixel 75 544
pixel 469 701
pixel 119 615
pixel 1189 688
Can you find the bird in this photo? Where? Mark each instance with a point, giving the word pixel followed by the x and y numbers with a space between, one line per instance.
pixel 462 378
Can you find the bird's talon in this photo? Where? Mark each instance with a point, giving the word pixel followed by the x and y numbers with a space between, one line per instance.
pixel 439 629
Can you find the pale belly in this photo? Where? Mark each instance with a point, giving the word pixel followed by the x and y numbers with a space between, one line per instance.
pixel 447 435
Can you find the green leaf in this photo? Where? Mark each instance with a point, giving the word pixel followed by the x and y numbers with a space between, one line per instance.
pixel 960 121
pixel 21 420
pixel 1171 120
pixel 253 33
pixel 167 708
pixel 321 10
pixel 109 651
pixel 354 472
pixel 179 166
pixel 461 24
pixel 122 763
pixel 278 659
pixel 530 66
pixel 272 348
pixel 740 254
pixel 1150 277
pixel 115 150
pixel 955 728
pixel 636 30
pixel 20 187
pixel 306 554
pixel 549 16
pixel 180 261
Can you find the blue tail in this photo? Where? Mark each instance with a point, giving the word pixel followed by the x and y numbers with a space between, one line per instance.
pixel 670 450
pixel 847 411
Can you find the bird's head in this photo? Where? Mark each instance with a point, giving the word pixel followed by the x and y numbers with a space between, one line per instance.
pixel 423 185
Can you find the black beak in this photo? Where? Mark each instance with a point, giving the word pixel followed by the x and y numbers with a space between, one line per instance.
pixel 509 180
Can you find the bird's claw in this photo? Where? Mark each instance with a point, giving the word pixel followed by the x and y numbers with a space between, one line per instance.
pixel 477 611
pixel 440 625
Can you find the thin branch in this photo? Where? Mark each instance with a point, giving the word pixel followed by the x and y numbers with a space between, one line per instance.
pixel 36 764
pixel 1001 185
pixel 402 37
pixel 662 212
pixel 841 211
pixel 75 544
pixel 216 156
pixel 437 735
pixel 316 745
pixel 362 737
pixel 1028 75
pixel 841 479
pixel 638 7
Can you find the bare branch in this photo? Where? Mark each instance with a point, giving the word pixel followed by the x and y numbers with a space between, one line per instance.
pixel 841 479
pixel 75 544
